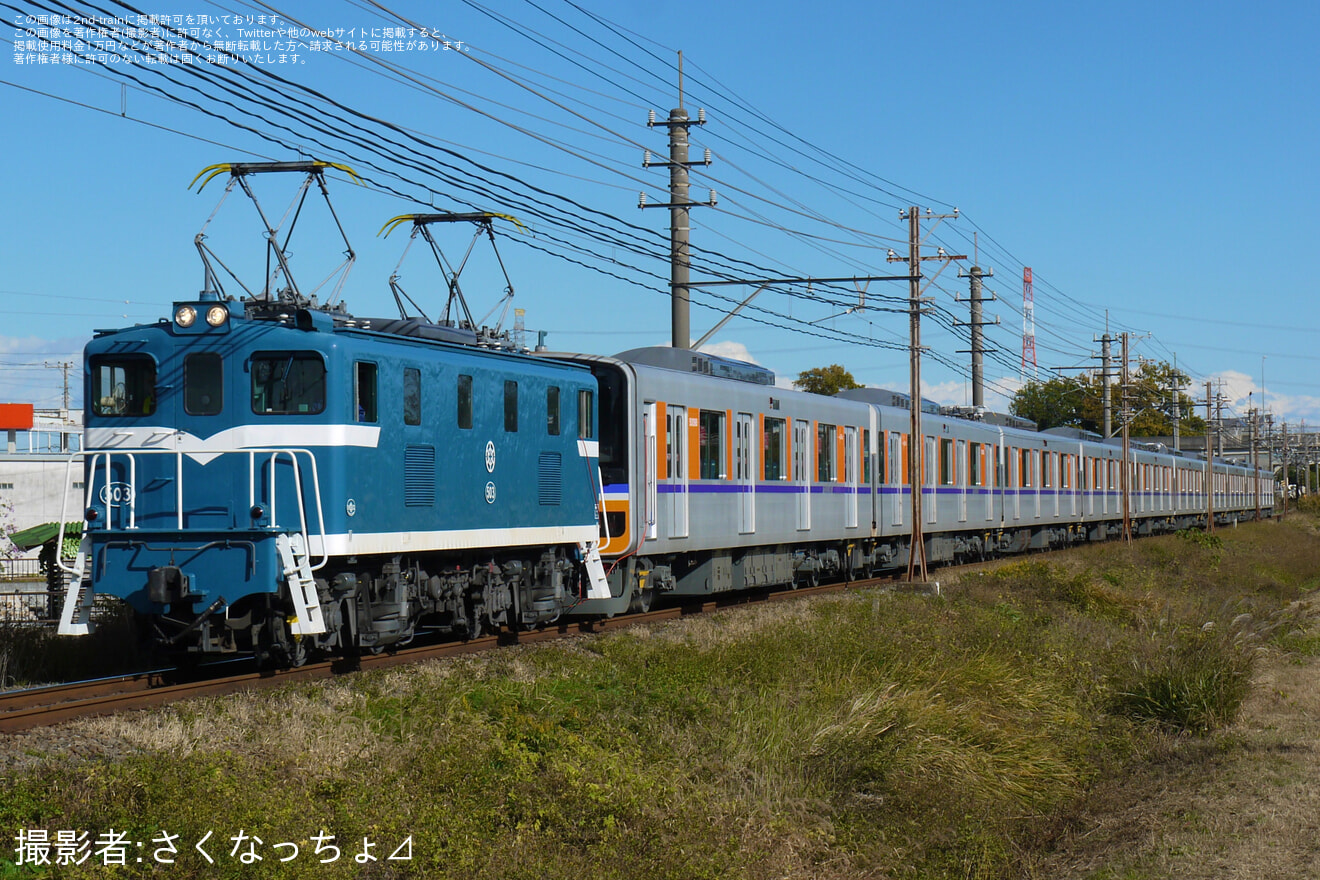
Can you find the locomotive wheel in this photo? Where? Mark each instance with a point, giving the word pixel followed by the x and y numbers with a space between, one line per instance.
pixel 641 601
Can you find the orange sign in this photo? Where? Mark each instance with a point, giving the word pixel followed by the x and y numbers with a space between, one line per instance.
pixel 15 416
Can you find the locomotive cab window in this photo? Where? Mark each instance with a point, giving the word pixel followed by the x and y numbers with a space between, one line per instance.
pixel 123 386
pixel 365 391
pixel 203 383
pixel 586 415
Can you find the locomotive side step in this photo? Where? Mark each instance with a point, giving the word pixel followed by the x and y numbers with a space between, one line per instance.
pixel 76 616
pixel 302 586
pixel 600 587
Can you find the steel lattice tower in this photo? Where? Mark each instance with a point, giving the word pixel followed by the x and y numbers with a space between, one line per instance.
pixel 1028 327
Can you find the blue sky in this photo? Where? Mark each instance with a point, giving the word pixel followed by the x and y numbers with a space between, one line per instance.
pixel 1156 162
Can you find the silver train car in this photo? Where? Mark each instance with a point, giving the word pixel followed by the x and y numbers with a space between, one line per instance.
pixel 715 480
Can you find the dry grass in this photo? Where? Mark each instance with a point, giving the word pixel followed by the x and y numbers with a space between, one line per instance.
pixel 976 734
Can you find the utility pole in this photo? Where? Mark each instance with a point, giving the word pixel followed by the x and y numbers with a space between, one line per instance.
pixel 1209 467
pixel 1126 478
pixel 1106 371
pixel 1176 387
pixel 916 570
pixel 1255 462
pixel 1219 417
pixel 1283 455
pixel 976 323
pixel 679 206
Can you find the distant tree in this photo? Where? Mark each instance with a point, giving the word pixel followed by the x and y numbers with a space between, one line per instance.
pixel 1079 403
pixel 1051 403
pixel 826 380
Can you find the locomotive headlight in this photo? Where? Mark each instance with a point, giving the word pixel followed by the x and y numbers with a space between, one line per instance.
pixel 184 316
pixel 217 315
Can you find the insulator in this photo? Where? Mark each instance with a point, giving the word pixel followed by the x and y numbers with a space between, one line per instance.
pixel 708 155
pixel 701 116
pixel 712 198
pixel 641 200
pixel 650 119
pixel 646 159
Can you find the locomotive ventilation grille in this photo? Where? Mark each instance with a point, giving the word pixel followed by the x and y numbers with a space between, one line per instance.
pixel 549 469
pixel 419 476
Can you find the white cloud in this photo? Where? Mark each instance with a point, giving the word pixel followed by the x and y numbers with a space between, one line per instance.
pixel 730 349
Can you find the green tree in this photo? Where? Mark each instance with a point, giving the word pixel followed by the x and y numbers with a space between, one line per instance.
pixel 1055 402
pixel 826 380
pixel 1079 402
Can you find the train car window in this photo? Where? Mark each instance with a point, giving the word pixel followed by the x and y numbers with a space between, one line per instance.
pixel 974 463
pixel 288 383
pixel 947 462
pixel 712 445
pixel 866 456
pixel 510 405
pixel 881 475
pixel 203 383
pixel 365 391
pixel 825 439
pixel 412 396
pixel 552 410
pixel 465 402
pixel 772 449
pixel 123 386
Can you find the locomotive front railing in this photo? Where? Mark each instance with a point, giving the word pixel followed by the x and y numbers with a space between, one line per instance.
pixel 260 461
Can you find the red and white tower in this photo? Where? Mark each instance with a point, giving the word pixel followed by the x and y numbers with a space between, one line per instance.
pixel 1028 327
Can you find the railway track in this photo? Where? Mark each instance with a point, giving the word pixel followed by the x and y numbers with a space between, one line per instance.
pixel 41 707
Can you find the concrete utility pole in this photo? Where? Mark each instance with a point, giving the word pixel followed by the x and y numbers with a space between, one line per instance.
pixel 1255 462
pixel 976 323
pixel 1209 467
pixel 1106 372
pixel 679 206
pixel 1283 455
pixel 916 570
pixel 1125 478
pixel 1176 387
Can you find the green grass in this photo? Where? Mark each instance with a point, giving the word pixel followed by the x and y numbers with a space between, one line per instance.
pixel 861 735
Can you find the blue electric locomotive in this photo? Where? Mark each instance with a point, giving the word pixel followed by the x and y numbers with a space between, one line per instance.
pixel 268 478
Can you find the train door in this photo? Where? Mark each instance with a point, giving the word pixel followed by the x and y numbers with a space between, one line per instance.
pixel 960 477
pixel 850 477
pixel 930 466
pixel 897 468
pixel 651 496
pixel 744 470
pixel 802 472
pixel 1034 476
pixel 676 453
pixel 1015 481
